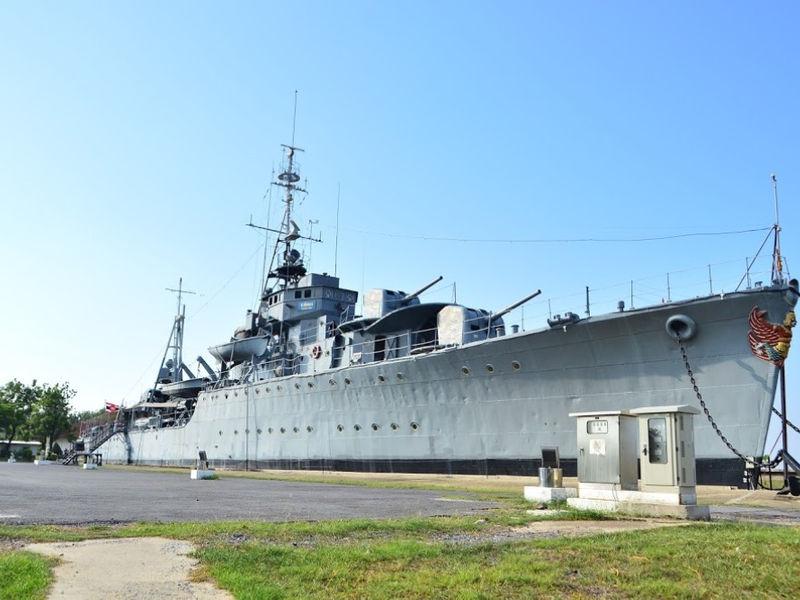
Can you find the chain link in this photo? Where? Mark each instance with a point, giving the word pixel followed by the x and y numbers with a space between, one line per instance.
pixel 753 460
pixel 788 422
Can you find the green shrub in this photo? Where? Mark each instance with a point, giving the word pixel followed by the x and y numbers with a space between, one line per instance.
pixel 24 455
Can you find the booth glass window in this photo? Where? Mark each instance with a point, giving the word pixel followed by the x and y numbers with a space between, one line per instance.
pixel 657 439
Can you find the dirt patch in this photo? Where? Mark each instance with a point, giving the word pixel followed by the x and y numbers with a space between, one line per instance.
pixel 554 529
pixel 126 569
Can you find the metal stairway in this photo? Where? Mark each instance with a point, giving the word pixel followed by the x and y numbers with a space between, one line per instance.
pixel 95 441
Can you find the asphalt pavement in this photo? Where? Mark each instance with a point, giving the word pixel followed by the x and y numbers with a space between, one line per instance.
pixel 57 494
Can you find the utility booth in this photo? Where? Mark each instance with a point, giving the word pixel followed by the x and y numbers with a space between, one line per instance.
pixel 607 449
pixel 658 442
pixel 666 441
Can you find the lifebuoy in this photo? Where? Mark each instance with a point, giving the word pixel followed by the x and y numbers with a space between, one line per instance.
pixel 316 351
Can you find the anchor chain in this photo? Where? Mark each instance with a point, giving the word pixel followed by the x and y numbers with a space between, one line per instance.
pixel 788 422
pixel 758 462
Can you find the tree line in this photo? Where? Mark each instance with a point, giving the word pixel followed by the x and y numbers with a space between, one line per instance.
pixel 37 411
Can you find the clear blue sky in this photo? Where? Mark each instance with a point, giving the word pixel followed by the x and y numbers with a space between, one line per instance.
pixel 137 139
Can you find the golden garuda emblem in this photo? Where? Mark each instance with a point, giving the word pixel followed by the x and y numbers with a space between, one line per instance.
pixel 769 341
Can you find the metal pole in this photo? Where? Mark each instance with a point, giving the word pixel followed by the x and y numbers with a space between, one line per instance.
pixel 784 434
pixel 631 293
pixel 587 302
pixel 336 246
pixel 669 290
pixel 747 271
pixel 710 285
pixel 777 266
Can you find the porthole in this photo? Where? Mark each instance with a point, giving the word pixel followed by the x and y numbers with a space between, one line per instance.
pixel 247 431
pixel 347 381
pixel 258 391
pixel 235 432
pixel 235 394
pixel 226 396
pixel 310 384
pixel 269 430
pixel 490 368
pixel 220 431
pixel 297 386
pixel 395 426
pixel 414 425
pixel 279 388
pixel 400 376
pixel 515 365
pixel 283 429
pixel 357 427
pixel 465 370
pixel 375 427
pixel 309 428
pixel 296 429
pixel 258 431
pixel 340 427
pixel 381 378
pixel 266 389
pixel 332 381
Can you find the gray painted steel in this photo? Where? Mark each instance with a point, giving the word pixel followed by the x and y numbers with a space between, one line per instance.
pixel 501 398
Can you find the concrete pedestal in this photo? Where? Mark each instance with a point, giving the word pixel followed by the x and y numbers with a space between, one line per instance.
pixel 89 466
pixel 603 491
pixel 42 462
pixel 535 493
pixel 692 512
pixel 202 474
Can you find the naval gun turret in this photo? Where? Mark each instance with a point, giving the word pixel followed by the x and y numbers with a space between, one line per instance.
pixel 380 302
pixel 457 325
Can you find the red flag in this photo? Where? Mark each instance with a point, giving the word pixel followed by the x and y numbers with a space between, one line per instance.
pixel 111 408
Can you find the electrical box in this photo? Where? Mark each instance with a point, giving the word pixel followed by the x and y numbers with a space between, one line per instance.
pixel 666 449
pixel 607 448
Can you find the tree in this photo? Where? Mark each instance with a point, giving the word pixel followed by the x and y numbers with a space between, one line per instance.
pixel 50 415
pixel 16 404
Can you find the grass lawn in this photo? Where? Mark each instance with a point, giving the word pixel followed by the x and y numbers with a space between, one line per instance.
pixel 24 575
pixel 417 558
pixel 727 561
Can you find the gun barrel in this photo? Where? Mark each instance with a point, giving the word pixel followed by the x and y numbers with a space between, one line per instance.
pixel 508 309
pixel 410 297
pixel 209 370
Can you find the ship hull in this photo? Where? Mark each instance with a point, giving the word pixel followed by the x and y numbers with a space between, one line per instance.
pixel 488 407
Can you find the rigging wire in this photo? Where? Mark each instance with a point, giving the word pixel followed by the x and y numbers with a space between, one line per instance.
pixel 432 238
pixel 771 231
pixel 230 279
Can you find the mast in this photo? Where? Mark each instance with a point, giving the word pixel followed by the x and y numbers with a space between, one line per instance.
pixel 290 266
pixel 777 261
pixel 175 342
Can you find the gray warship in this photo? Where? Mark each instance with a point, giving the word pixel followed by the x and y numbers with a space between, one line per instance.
pixel 413 386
